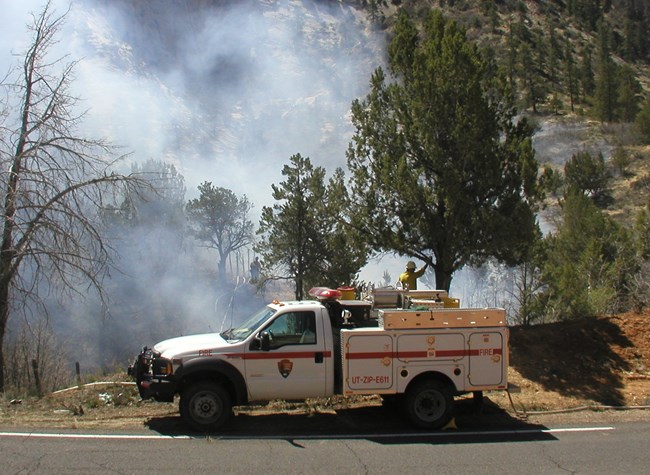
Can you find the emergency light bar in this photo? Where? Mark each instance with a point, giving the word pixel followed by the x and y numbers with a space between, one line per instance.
pixel 325 293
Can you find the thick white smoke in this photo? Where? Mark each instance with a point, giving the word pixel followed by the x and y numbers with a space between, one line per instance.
pixel 225 90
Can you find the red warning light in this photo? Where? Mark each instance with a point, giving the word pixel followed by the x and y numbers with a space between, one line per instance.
pixel 324 293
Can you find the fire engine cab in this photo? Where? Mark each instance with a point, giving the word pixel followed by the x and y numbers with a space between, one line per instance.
pixel 417 347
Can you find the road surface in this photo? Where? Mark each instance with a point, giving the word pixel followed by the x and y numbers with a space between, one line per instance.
pixel 622 447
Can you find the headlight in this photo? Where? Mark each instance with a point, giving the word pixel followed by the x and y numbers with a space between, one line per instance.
pixel 162 367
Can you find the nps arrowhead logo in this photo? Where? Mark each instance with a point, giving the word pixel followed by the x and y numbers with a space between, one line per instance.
pixel 285 367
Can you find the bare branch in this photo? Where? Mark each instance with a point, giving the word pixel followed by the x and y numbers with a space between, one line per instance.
pixel 53 183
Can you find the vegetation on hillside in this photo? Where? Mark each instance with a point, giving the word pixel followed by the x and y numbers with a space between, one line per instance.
pixel 588 57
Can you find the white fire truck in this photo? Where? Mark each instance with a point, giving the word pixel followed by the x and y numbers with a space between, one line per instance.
pixel 411 346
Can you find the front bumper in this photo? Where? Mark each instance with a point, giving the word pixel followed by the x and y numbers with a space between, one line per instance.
pixel 152 376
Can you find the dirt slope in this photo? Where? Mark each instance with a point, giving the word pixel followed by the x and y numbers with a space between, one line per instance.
pixel 602 361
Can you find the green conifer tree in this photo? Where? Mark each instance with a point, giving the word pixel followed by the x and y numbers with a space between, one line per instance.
pixel 439 163
pixel 304 235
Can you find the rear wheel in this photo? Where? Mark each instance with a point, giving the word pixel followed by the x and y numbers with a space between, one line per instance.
pixel 429 404
pixel 205 406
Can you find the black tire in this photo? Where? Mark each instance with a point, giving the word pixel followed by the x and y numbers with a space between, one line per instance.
pixel 477 402
pixel 205 406
pixel 391 401
pixel 429 404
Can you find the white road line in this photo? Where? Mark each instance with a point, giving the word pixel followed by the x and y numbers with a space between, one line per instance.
pixel 63 435
pixel 304 437
pixel 579 429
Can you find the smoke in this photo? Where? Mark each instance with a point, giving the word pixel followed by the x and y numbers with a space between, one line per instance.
pixel 226 91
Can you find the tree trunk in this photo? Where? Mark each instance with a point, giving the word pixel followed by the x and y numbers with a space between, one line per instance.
pixel 6 263
pixel 221 269
pixel 443 279
pixel 299 288
pixel 4 315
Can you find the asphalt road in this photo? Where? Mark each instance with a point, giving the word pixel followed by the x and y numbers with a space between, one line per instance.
pixel 290 446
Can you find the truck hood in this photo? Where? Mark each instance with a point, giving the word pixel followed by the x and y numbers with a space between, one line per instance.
pixel 190 344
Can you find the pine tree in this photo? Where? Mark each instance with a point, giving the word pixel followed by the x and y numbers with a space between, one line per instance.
pixel 291 238
pixel 220 220
pixel 511 60
pixel 586 76
pixel 636 32
pixel 586 174
pixel 305 238
pixel 606 91
pixel 642 122
pixel 439 164
pixel 532 87
pixel 587 12
pixel 629 90
pixel 346 250
pixel 589 264
pixel 571 78
pixel 555 52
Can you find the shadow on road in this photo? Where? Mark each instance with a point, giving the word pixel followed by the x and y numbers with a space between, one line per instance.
pixel 375 423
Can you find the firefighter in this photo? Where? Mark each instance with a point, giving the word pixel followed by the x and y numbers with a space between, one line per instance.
pixel 255 268
pixel 409 278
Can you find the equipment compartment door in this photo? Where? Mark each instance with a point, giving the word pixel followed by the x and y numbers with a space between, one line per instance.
pixel 486 359
pixel 368 362
pixel 430 347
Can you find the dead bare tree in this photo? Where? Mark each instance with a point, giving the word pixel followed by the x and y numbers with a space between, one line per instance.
pixel 52 181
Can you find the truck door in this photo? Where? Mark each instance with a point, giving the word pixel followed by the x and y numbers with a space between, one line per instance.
pixel 368 362
pixel 296 366
pixel 486 359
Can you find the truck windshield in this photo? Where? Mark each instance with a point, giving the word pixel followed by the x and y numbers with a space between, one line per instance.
pixel 249 326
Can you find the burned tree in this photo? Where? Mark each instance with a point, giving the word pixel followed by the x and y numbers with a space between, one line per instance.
pixel 51 182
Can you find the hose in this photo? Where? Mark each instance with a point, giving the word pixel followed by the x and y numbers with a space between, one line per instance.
pixel 594 407
pixel 97 383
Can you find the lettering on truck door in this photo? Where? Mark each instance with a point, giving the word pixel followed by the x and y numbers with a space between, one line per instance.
pixel 369 362
pixel 296 365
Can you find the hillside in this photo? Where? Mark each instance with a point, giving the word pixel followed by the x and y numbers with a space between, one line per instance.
pixel 601 361
pixel 552 30
pixel 559 366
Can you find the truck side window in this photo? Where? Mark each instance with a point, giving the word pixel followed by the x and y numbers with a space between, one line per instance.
pixel 293 328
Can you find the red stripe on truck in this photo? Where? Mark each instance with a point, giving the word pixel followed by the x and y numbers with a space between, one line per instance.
pixel 405 355
pixel 267 355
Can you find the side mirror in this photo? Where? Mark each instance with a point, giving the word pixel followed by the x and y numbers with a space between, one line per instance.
pixel 255 343
pixel 265 341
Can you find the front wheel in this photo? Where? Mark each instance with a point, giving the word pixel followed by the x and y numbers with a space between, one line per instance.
pixel 205 406
pixel 429 404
